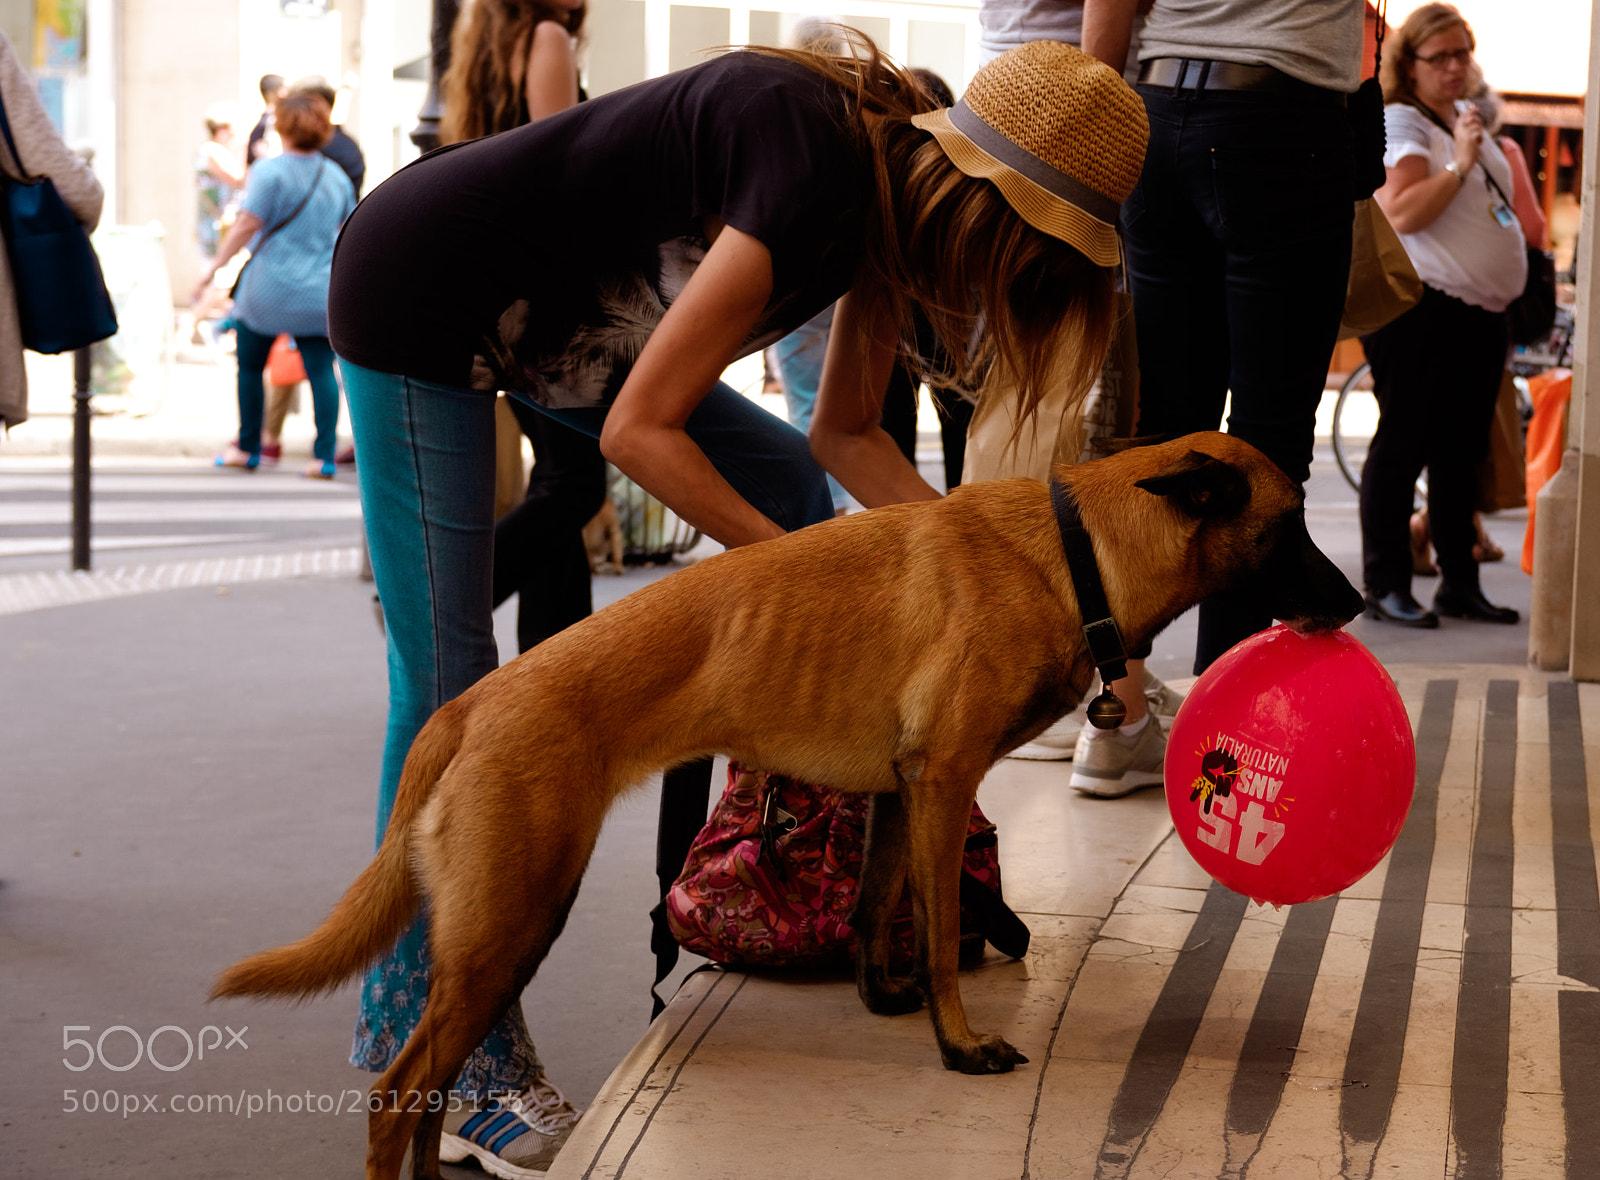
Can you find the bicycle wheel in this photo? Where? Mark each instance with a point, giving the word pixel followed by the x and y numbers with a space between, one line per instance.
pixel 1355 416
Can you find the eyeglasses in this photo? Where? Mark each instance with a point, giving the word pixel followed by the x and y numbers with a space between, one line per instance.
pixel 1457 57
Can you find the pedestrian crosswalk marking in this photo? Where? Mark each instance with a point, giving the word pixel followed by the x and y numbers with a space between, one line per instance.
pixel 37 591
pixel 148 511
pixel 34 546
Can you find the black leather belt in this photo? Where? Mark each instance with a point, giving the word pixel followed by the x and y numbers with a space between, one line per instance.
pixel 1199 75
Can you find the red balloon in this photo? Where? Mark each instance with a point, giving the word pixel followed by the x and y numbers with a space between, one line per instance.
pixel 1290 766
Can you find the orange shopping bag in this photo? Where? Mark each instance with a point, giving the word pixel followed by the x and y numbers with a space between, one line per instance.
pixel 286 367
pixel 1550 391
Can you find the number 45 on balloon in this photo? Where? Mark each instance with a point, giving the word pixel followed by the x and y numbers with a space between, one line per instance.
pixel 1290 766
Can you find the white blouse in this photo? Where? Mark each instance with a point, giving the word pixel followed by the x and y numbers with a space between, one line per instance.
pixel 1466 252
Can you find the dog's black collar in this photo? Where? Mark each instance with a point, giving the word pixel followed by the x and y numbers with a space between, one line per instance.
pixel 1100 630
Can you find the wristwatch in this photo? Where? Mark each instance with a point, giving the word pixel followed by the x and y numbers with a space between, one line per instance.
pixel 1454 169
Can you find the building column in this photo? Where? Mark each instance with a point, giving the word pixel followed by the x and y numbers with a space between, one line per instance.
pixel 1583 415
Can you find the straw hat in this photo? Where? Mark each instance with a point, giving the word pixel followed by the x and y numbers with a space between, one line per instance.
pixel 1060 134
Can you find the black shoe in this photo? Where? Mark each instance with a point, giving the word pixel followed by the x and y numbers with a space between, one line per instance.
pixel 1471 604
pixel 1398 606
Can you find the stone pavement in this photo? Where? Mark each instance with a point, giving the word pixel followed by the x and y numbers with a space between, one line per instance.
pixel 1436 1020
pixel 188 777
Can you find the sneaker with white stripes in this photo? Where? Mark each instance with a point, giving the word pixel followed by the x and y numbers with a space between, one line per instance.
pixel 515 1137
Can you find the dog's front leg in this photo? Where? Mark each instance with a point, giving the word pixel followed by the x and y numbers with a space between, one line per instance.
pixel 883 876
pixel 937 832
pixel 425 1139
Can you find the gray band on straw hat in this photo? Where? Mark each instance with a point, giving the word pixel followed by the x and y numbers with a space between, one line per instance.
pixel 1060 134
pixel 1049 178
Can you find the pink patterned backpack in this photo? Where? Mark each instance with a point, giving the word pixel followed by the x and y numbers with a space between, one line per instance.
pixel 771 879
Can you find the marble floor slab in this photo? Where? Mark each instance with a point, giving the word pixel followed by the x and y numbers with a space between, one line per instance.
pixel 1441 1018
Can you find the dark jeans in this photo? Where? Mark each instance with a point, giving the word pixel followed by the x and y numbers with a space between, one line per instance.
pixel 1238 252
pixel 252 349
pixel 538 545
pixel 900 421
pixel 1436 373
pixel 900 405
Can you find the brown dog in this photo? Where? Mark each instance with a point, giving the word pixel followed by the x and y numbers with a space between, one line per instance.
pixel 931 639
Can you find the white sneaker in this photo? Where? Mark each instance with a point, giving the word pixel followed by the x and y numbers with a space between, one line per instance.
pixel 1110 764
pixel 516 1137
pixel 1163 701
pixel 1059 742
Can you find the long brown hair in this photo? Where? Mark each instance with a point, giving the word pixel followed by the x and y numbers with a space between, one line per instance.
pixel 1013 306
pixel 484 86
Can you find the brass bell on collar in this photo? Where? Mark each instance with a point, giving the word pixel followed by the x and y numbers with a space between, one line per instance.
pixel 1107 711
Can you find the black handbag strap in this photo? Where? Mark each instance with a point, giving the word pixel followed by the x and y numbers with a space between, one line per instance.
pixel 303 202
pixel 685 795
pixel 1488 180
pixel 999 923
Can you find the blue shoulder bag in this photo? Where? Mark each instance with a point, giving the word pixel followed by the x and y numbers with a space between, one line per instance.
pixel 61 293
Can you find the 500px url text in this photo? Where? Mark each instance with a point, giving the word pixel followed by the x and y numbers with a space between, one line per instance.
pixel 249 1104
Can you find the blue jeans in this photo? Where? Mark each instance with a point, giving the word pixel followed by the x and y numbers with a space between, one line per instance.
pixel 800 355
pixel 427 496
pixel 1238 251
pixel 317 354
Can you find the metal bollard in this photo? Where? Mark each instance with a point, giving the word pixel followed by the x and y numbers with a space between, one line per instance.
pixel 81 454
pixel 1555 539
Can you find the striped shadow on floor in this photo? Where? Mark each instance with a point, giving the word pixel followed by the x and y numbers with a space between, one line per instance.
pixel 1442 1018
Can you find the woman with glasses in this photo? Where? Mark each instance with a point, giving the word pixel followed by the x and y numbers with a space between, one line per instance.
pixel 1436 369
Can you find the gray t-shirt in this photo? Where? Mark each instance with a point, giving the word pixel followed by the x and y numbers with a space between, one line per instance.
pixel 1005 24
pixel 1316 41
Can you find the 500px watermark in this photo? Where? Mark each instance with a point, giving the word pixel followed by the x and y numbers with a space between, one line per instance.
pixel 248 1103
pixel 83 1053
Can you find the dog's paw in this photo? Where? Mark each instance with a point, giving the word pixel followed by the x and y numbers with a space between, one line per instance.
pixel 890 995
pixel 986 1054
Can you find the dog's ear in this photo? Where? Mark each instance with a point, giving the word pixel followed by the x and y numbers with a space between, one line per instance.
pixel 1201 486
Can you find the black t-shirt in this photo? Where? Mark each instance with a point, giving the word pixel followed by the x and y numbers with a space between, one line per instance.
pixel 346 152
pixel 541 259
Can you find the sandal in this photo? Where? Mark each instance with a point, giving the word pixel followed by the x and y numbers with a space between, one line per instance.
pixel 1421 563
pixel 234 457
pixel 1485 550
pixel 320 469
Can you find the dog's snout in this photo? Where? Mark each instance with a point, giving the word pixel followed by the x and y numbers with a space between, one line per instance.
pixel 1309 592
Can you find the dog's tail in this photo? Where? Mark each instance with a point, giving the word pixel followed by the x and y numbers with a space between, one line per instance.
pixel 375 909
